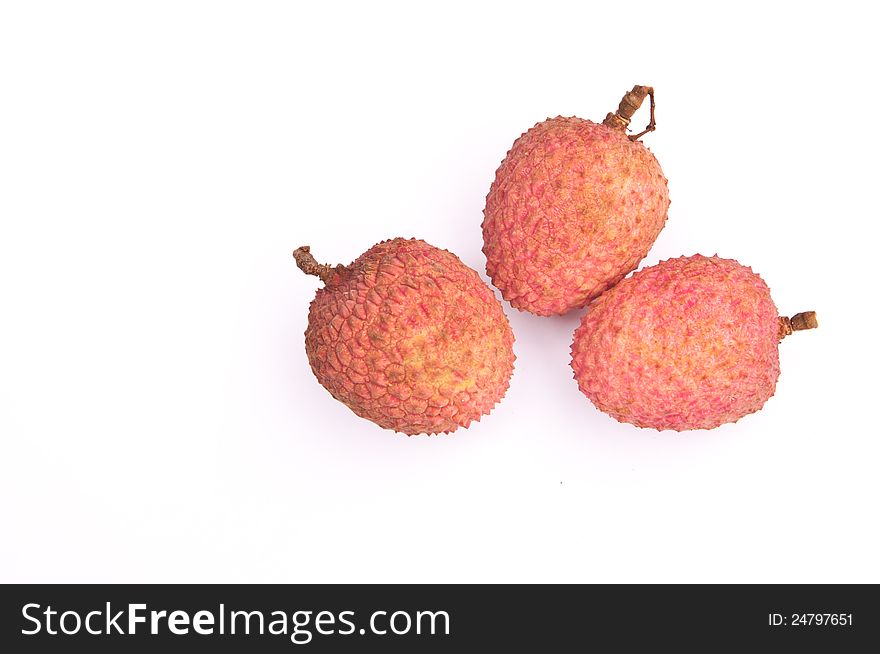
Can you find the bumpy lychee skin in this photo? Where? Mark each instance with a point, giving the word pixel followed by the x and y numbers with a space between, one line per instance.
pixel 691 343
pixel 409 337
pixel 574 207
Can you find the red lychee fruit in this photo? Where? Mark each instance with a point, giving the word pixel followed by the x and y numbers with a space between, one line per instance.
pixel 408 337
pixel 691 343
pixel 574 207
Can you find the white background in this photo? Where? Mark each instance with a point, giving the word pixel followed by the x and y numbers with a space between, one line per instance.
pixel 158 163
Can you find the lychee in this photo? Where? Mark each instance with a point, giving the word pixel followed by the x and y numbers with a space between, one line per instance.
pixel 408 337
pixel 691 343
pixel 574 207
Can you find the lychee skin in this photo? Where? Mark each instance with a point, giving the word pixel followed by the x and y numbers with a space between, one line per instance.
pixel 411 338
pixel 691 343
pixel 573 209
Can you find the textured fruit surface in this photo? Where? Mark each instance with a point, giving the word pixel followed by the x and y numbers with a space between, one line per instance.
pixel 573 209
pixel 690 343
pixel 411 338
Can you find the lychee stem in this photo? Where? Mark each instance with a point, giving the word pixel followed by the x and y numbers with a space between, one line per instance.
pixel 630 103
pixel 309 265
pixel 798 322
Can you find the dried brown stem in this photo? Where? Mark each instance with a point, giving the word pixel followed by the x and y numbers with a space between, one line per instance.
pixel 798 322
pixel 310 266
pixel 630 103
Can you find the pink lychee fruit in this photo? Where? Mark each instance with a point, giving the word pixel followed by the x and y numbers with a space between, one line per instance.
pixel 574 207
pixel 408 337
pixel 691 343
